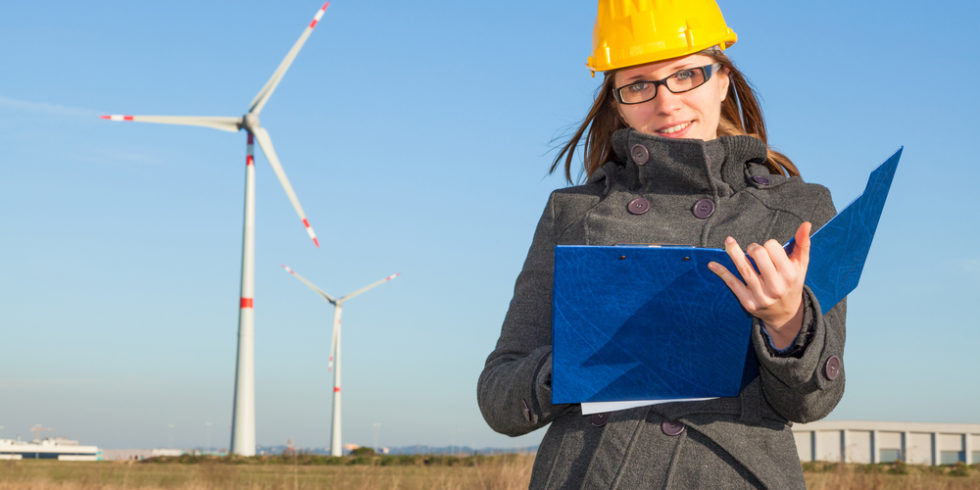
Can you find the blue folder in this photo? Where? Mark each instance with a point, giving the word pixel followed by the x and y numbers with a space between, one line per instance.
pixel 644 322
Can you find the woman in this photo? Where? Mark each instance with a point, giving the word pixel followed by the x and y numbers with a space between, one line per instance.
pixel 675 152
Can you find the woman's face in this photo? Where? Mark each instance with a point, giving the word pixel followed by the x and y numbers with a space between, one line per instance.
pixel 691 114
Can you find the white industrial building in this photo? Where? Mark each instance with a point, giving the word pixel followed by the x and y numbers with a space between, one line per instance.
pixel 57 448
pixel 883 442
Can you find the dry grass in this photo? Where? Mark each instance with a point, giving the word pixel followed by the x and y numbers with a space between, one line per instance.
pixel 492 473
pixel 826 476
pixel 495 473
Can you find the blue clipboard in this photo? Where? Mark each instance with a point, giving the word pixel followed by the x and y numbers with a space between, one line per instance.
pixel 642 322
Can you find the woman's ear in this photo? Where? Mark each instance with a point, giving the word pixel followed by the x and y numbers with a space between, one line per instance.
pixel 725 82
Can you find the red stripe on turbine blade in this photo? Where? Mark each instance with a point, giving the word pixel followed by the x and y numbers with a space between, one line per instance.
pixel 319 14
pixel 336 389
pixel 127 118
pixel 247 303
pixel 105 117
pixel 316 242
pixel 306 223
pixel 249 160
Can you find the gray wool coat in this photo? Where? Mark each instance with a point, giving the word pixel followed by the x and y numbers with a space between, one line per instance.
pixel 736 442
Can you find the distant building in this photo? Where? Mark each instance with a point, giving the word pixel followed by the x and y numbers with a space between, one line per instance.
pixel 137 454
pixel 57 448
pixel 884 442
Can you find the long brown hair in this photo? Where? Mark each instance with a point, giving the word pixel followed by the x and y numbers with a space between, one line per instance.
pixel 740 115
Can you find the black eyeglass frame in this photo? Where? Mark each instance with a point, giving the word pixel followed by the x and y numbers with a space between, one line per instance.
pixel 706 70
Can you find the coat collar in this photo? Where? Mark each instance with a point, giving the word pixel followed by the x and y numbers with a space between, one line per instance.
pixel 651 163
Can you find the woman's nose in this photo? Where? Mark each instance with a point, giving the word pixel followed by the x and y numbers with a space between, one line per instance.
pixel 666 101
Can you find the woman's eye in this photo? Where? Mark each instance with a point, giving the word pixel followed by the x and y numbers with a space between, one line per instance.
pixel 638 86
pixel 684 75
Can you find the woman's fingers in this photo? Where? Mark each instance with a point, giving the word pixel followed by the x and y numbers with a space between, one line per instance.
pixel 766 261
pixel 742 264
pixel 784 270
pixel 772 289
pixel 777 254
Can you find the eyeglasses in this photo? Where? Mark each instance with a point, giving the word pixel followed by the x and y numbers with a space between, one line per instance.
pixel 687 79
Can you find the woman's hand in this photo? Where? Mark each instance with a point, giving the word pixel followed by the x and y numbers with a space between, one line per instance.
pixel 774 294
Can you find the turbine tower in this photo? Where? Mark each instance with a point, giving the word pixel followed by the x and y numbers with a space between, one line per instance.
pixel 334 362
pixel 243 410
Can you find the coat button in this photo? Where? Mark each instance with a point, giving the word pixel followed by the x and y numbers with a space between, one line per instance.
pixel 758 179
pixel 599 419
pixel 638 206
pixel 703 208
pixel 671 427
pixel 832 368
pixel 640 154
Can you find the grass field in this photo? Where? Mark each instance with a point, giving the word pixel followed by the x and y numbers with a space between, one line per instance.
pixel 418 472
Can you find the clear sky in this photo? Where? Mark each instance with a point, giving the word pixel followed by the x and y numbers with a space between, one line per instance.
pixel 417 136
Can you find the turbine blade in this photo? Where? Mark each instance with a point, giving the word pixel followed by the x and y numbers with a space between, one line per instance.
pixel 265 142
pixel 217 122
pixel 270 86
pixel 369 286
pixel 308 283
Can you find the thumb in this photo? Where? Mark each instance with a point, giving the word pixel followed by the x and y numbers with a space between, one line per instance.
pixel 801 252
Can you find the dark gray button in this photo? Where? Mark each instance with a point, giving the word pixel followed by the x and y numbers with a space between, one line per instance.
pixel 758 179
pixel 640 154
pixel 638 206
pixel 831 369
pixel 703 208
pixel 671 427
pixel 599 419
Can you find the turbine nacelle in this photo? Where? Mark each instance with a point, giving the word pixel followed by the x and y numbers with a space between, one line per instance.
pixel 250 122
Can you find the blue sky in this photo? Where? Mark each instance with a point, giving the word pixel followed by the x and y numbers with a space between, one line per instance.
pixel 417 136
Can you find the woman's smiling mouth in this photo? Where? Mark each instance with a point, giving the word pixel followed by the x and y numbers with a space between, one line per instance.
pixel 675 130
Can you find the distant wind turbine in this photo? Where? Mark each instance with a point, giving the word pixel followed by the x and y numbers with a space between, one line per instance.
pixel 243 411
pixel 334 362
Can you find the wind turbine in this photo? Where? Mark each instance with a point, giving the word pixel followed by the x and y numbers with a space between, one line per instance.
pixel 335 448
pixel 243 411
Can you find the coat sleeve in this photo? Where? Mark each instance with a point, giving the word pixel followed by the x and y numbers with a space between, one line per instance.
pixel 807 384
pixel 514 390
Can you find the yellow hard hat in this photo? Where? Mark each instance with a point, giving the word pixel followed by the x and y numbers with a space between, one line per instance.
pixel 633 32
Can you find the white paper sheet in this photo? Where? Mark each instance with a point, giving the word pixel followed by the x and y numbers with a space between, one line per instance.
pixel 589 408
